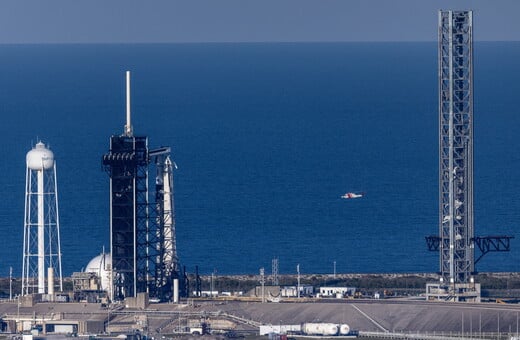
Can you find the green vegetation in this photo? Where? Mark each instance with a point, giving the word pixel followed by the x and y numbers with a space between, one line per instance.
pixel 369 282
pixel 363 282
pixel 499 281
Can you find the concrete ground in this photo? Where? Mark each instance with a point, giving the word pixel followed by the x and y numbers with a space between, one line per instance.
pixel 383 315
pixel 398 315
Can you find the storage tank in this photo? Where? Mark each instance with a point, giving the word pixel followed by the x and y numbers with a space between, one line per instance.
pixel 344 329
pixel 40 158
pixel 41 246
pixel 101 265
pixel 311 328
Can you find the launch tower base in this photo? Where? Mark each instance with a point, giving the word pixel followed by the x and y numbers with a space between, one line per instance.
pixel 461 292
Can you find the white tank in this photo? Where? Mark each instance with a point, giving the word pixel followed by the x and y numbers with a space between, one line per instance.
pixel 40 158
pixel 311 328
pixel 344 329
pixel 102 266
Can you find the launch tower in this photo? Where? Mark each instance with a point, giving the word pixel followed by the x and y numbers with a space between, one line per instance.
pixel 456 146
pixel 142 239
pixel 456 241
pixel 41 265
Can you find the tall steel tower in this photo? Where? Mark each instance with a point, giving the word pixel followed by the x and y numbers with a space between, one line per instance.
pixel 456 146
pixel 456 241
pixel 274 276
pixel 41 247
pixel 127 165
pixel 142 239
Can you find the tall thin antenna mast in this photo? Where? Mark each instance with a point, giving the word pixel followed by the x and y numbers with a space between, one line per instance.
pixel 128 126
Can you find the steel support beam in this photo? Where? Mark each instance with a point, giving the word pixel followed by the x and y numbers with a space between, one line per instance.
pixel 485 244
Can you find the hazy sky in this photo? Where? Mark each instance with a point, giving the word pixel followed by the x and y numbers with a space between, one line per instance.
pixel 129 21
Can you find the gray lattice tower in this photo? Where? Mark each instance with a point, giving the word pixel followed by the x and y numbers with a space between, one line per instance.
pixel 274 265
pixel 456 146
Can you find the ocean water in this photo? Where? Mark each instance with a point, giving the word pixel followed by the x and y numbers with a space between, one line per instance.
pixel 267 137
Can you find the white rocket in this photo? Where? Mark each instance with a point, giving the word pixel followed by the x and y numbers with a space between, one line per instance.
pixel 168 214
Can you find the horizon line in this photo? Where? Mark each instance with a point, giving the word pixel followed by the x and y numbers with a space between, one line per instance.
pixel 238 42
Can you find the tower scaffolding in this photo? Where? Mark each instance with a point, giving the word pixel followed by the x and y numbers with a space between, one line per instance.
pixel 127 165
pixel 456 241
pixel 142 233
pixel 456 227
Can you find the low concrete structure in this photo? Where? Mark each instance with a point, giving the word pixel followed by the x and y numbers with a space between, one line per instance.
pixel 469 292
pixel 292 291
pixel 141 301
pixel 266 292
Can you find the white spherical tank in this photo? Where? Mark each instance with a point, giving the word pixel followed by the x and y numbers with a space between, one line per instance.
pixel 101 265
pixel 40 158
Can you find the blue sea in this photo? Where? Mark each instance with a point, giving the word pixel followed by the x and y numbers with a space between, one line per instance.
pixel 267 137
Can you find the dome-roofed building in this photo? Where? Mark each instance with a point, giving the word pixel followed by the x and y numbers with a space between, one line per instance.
pixel 94 283
pixel 101 265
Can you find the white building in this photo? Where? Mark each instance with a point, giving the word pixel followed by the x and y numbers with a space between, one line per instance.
pixel 337 291
pixel 292 291
pixel 279 329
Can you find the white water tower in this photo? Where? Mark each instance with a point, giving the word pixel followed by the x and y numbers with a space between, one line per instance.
pixel 41 245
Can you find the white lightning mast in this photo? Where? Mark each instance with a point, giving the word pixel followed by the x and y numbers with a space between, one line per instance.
pixel 128 127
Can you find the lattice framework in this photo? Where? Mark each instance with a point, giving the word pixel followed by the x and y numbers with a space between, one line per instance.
pixel 456 227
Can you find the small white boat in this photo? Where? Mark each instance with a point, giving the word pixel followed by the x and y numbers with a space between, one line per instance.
pixel 349 195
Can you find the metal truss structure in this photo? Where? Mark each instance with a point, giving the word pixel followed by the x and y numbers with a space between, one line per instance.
pixel 142 234
pixel 486 244
pixel 41 267
pixel 274 275
pixel 456 145
pixel 127 165
pixel 456 241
